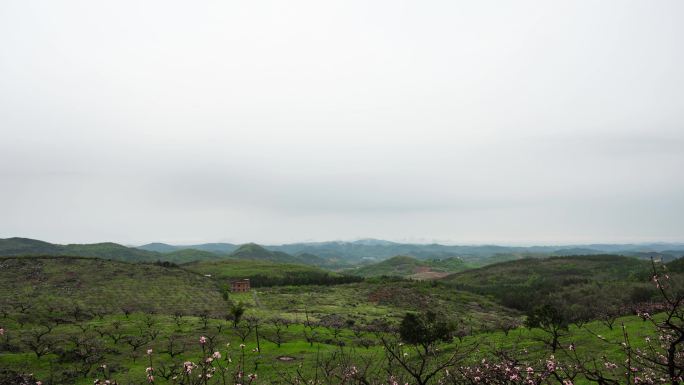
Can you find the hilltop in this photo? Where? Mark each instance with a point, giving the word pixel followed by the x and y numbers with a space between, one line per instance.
pixel 256 252
pixel 15 247
pixel 108 250
pixel 525 282
pixel 405 266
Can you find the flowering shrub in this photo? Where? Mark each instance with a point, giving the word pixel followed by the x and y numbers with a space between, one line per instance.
pixel 210 367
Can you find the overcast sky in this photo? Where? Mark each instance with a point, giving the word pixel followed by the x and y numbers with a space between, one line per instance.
pixel 277 121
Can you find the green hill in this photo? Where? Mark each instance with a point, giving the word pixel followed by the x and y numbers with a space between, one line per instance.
pixel 256 252
pixel 104 284
pixel 405 266
pixel 190 255
pixel 30 247
pixel 159 247
pixel 677 265
pixel 267 272
pixel 525 282
pixel 216 248
pixel 109 250
pixel 26 246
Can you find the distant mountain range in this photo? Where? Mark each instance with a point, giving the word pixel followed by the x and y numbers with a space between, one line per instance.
pixel 156 252
pixel 334 254
pixel 26 246
pixel 218 248
pixel 376 250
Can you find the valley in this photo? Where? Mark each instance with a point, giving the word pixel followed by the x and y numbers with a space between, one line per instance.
pixel 71 319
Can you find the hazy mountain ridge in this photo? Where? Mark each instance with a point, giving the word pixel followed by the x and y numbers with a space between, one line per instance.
pixel 331 254
pixel 379 250
pixel 153 252
pixel 107 250
pixel 217 248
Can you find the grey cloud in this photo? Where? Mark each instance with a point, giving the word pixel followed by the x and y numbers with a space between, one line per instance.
pixel 271 121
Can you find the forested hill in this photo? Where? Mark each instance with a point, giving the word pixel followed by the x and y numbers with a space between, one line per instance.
pixel 28 247
pixel 11 247
pixel 404 266
pixel 524 283
pixel 379 250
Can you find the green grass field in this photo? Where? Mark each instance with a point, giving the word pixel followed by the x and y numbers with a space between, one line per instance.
pixel 63 318
pixel 128 364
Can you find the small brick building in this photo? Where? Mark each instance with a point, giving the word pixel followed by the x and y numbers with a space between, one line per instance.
pixel 239 286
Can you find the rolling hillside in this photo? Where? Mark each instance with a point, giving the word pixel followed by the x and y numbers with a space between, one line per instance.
pixel 108 250
pixel 255 252
pixel 379 250
pixel 107 285
pixel 405 266
pixel 526 282
pixel 266 272
pixel 12 247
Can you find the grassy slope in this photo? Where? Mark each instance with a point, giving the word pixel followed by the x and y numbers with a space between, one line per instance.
pixel 604 267
pixel 256 252
pixel 227 269
pixel 191 255
pixel 368 301
pixel 527 281
pixel 97 283
pixel 107 250
pixel 126 370
pixel 405 266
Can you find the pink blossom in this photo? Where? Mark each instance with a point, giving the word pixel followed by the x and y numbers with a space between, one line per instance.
pixel 188 366
pixel 203 340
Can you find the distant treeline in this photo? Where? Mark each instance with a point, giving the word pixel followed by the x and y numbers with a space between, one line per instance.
pixel 302 278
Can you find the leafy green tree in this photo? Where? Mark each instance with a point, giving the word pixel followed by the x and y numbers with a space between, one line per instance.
pixel 236 311
pixel 420 358
pixel 425 329
pixel 551 320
